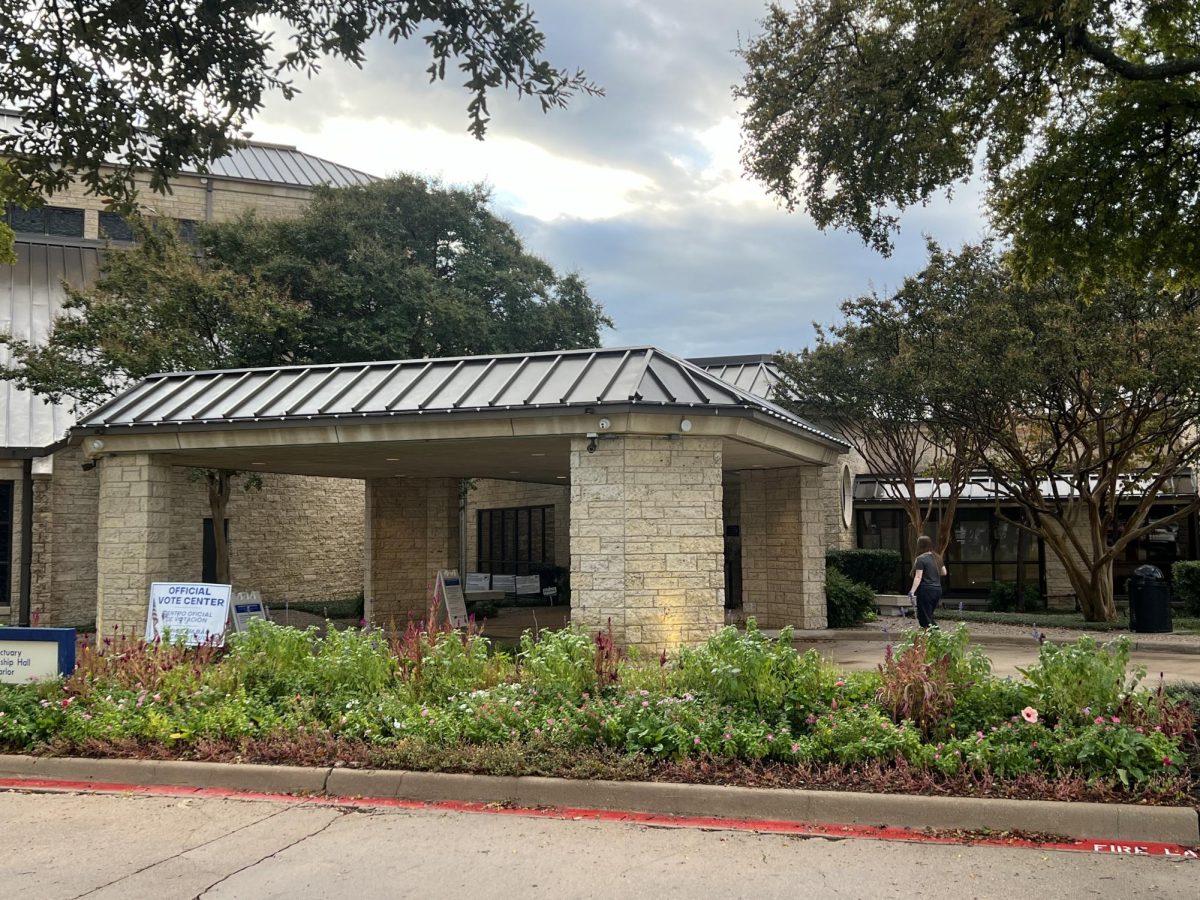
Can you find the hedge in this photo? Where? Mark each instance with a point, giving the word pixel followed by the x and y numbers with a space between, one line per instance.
pixel 882 570
pixel 846 602
pixel 1185 576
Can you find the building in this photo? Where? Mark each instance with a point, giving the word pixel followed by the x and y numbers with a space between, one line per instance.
pixel 297 539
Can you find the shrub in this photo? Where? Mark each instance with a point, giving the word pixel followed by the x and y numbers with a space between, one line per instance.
pixel 882 570
pixel 559 663
pixel 846 602
pixel 917 684
pixel 1185 578
pixel 968 664
pixel 988 702
pixel 1077 682
pixel 1003 597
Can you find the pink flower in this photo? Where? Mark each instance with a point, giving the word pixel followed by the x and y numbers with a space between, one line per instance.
pixel 645 703
pixel 1099 720
pixel 795 748
pixel 696 741
pixel 839 683
pixel 833 705
pixel 727 736
pixel 424 712
pixel 1116 721
pixel 770 737
pixel 1029 714
pixel 1167 761
pixel 811 720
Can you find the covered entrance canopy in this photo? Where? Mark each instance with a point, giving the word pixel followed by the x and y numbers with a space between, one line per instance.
pixel 641 436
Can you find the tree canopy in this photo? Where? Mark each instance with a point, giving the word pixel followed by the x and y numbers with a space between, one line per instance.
pixel 1085 115
pixel 107 89
pixel 1082 409
pixel 407 268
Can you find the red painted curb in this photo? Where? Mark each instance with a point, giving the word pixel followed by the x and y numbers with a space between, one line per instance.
pixel 765 826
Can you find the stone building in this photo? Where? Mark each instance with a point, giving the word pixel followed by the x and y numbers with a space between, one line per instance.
pixel 296 539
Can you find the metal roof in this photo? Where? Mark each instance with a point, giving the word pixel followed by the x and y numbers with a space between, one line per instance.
pixel 878 489
pixel 31 295
pixel 757 374
pixel 258 161
pixel 634 377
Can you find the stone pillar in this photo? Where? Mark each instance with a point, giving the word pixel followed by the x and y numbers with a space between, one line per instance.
pixel 783 547
pixel 133 540
pixel 411 532
pixel 647 539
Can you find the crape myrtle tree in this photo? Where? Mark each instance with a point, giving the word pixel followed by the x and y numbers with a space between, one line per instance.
pixel 108 89
pixel 865 376
pixel 403 268
pixel 1084 113
pixel 408 268
pixel 1083 408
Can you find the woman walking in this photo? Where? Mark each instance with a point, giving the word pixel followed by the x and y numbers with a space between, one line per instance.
pixel 927 574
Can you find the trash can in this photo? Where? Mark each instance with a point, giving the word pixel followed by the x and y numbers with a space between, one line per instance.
pixel 1149 601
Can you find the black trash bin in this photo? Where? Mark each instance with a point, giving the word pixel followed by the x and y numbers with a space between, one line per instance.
pixel 1149 601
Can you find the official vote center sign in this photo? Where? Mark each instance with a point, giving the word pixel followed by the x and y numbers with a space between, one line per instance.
pixel 197 610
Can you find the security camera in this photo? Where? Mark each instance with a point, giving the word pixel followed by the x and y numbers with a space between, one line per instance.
pixel 591 444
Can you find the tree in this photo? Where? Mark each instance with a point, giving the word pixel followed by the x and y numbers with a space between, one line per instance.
pixel 158 308
pixel 107 89
pixel 1083 408
pixel 406 268
pixel 865 377
pixel 1085 115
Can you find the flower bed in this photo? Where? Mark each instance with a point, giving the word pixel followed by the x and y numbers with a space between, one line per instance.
pixel 740 708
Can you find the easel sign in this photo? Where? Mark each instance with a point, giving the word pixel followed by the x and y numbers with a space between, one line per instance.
pixel 199 611
pixel 449 591
pixel 248 605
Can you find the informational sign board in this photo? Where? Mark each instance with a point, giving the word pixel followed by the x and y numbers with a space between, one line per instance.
pixel 551 593
pixel 506 583
pixel 528 585
pixel 449 591
pixel 194 609
pixel 36 654
pixel 248 605
pixel 478 582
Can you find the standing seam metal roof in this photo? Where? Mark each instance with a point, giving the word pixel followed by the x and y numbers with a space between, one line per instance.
pixel 642 376
pixel 756 374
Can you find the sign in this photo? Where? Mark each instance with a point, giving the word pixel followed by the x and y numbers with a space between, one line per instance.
pixel 449 591
pixel 550 593
pixel 199 611
pixel 528 584
pixel 36 654
pixel 478 582
pixel 506 583
pixel 248 605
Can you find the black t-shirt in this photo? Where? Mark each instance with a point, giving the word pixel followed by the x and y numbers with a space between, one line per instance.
pixel 930 568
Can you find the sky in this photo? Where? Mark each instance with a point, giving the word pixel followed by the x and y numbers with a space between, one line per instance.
pixel 639 191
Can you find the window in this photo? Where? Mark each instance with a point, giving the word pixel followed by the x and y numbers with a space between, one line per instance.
pixel 6 523
pixel 847 497
pixel 517 541
pixel 208 566
pixel 58 221
pixel 115 227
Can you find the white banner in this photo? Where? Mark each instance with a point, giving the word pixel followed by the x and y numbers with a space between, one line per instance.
pixel 199 611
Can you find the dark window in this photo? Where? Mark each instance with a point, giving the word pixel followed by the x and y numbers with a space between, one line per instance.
pixel 58 221
pixel 6 522
pixel 115 227
pixel 1162 547
pixel 517 541
pixel 187 230
pixel 209 566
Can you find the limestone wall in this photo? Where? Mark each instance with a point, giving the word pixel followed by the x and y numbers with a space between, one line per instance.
pixel 646 539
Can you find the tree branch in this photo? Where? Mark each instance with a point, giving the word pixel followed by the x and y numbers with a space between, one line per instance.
pixel 1078 37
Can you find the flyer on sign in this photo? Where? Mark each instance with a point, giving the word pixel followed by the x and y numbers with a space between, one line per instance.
pixel 449 591
pixel 186 608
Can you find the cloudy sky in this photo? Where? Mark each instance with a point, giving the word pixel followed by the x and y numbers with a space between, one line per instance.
pixel 640 191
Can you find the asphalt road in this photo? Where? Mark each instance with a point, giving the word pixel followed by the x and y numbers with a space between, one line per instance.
pixel 60 846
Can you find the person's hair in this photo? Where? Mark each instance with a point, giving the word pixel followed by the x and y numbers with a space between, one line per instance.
pixel 924 544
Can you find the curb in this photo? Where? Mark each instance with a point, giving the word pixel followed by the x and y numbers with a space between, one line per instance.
pixel 1004 640
pixel 1099 821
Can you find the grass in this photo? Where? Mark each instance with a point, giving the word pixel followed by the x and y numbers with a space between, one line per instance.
pixel 1055 619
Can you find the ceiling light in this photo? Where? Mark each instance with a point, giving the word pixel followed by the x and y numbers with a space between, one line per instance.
pixel 393 459
pixel 537 454
pixel 685 425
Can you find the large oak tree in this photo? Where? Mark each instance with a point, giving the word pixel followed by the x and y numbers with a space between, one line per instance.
pixel 1085 115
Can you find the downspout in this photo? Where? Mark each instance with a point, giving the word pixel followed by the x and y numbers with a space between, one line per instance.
pixel 463 487
pixel 23 601
pixel 208 199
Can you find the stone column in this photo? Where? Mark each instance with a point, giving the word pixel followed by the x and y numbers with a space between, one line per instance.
pixel 411 532
pixel 647 548
pixel 783 547
pixel 133 540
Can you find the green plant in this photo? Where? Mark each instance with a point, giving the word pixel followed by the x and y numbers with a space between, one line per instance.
pixel 880 569
pixel 988 702
pixel 561 663
pixel 1079 681
pixel 968 664
pixel 917 684
pixel 846 602
pixel 1003 597
pixel 1185 578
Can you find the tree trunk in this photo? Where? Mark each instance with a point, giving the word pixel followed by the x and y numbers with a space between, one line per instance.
pixel 1094 591
pixel 220 482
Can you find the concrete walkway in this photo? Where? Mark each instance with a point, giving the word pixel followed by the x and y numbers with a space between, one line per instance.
pixel 121 847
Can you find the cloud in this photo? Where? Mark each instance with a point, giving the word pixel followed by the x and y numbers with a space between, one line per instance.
pixel 640 191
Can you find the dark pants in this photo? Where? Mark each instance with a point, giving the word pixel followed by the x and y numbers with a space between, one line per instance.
pixel 928 597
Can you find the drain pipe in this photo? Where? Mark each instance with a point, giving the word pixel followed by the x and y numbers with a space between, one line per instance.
pixel 463 487
pixel 23 601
